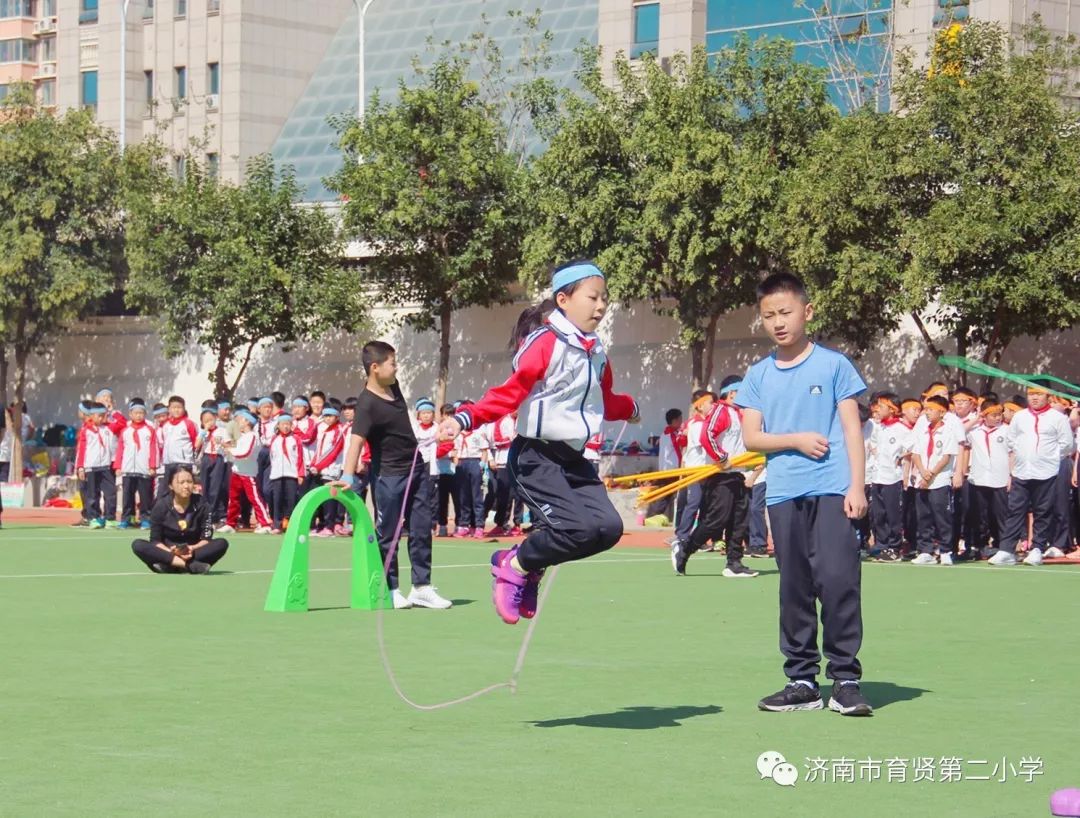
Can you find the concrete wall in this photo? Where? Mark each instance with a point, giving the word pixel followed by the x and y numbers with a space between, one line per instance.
pixel 125 354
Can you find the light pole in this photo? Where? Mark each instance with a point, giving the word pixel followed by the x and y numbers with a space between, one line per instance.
pixel 123 73
pixel 361 11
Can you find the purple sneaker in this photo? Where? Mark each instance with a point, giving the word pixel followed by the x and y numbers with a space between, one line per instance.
pixel 529 594
pixel 506 590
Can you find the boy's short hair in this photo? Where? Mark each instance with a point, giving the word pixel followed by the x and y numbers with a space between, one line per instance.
pixel 278 398
pixel 698 394
pixel 317 393
pixel 209 404
pixel 177 399
pixel 447 409
pixel 375 352
pixel 331 401
pixel 350 403
pixel 937 400
pixel 1019 400
pixel 137 400
pixel 963 390
pixel 671 415
pixel 889 397
pixel 990 407
pixel 782 283
pixel 158 406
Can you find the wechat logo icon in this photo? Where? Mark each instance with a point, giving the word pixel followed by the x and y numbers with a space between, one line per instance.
pixel 772 764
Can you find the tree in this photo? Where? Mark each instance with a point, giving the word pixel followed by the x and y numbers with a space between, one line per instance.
pixel 667 176
pixel 433 187
pixel 960 209
pixel 61 189
pixel 228 267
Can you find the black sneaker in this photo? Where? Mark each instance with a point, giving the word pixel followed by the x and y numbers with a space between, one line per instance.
pixel 887 555
pixel 162 568
pixel 196 567
pixel 794 696
pixel 757 552
pixel 678 558
pixel 848 700
pixel 737 570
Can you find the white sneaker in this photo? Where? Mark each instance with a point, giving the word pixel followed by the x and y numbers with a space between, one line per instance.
pixel 1034 557
pixel 1003 558
pixel 945 559
pixel 425 596
pixel 1053 553
pixel 262 529
pixel 225 529
pixel 401 602
pixel 924 559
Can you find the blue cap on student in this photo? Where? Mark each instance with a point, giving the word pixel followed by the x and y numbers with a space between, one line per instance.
pixel 161 410
pixel 282 418
pixel 300 402
pixel 330 411
pixel 136 404
pixel 224 404
pixel 265 401
pixel 103 392
pixel 575 272
pixel 246 415
pixel 425 405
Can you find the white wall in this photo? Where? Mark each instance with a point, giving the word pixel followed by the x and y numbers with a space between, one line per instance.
pixel 125 354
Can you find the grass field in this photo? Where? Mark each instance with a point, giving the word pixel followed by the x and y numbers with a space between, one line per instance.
pixel 128 693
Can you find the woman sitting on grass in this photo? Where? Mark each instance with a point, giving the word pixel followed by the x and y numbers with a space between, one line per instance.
pixel 181 532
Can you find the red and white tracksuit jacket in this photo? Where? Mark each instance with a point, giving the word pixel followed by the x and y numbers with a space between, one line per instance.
pixel 266 431
pixel 328 456
pixel 672 443
pixel 307 429
pixel 501 434
pixel 242 482
pixel 137 450
pixel 94 447
pixel 721 434
pixel 427 441
pixel 593 447
pixel 561 387
pixel 286 457
pixel 179 439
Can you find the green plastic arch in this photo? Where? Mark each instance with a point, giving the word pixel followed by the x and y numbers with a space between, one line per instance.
pixel 290 585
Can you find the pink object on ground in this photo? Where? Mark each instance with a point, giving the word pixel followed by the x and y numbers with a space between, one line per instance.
pixel 1066 803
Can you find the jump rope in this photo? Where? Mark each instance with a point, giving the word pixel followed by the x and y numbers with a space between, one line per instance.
pixel 523 651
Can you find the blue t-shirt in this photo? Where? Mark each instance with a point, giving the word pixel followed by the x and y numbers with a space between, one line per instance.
pixel 803 398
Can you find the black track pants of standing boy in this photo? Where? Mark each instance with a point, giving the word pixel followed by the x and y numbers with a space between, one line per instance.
pixel 571 514
pixel 817 552
pixel 1036 496
pixel 887 508
pixel 391 491
pixel 283 491
pixel 101 486
pixel 725 506
pixel 150 554
pixel 136 485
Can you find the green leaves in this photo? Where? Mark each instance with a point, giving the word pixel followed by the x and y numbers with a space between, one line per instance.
pixel 230 266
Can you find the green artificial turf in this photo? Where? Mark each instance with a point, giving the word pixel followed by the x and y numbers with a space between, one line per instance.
pixel 128 693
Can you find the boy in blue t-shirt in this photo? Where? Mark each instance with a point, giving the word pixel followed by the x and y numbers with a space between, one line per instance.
pixel 800 411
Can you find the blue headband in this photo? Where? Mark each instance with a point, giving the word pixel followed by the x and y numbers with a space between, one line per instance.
pixel 425 405
pixel 264 401
pixel 101 392
pixel 300 402
pixel 136 404
pixel 161 410
pixel 731 387
pixel 224 405
pixel 576 272
pixel 98 410
pixel 283 417
pixel 330 411
pixel 246 415
pixel 84 407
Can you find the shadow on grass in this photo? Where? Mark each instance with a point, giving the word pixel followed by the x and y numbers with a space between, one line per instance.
pixel 882 694
pixel 634 718
pixel 457 603
pixel 764 572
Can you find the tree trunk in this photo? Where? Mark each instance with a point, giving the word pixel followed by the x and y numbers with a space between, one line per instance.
pixel 697 350
pixel 929 342
pixel 221 386
pixel 993 357
pixel 961 351
pixel 710 350
pixel 445 314
pixel 3 375
pixel 16 470
pixel 243 369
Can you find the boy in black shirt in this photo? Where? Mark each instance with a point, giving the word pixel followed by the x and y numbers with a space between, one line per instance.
pixel 384 421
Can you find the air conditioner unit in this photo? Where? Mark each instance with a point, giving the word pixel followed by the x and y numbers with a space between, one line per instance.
pixel 212 101
pixel 45 26
pixel 47 69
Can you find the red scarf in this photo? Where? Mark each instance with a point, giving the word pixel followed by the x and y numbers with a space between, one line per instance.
pixel 138 427
pixel 930 445
pixel 891 422
pixel 1036 413
pixel 673 435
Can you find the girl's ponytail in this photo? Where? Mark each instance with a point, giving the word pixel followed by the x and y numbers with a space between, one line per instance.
pixel 530 320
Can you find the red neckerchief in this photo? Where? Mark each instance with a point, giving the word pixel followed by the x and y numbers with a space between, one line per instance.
pixel 931 428
pixel 285 445
pixel 1035 413
pixel 987 431
pixel 137 427
pixel 890 422
pixel 673 436
pixel 587 343
pixel 210 439
pixel 909 426
pixel 93 427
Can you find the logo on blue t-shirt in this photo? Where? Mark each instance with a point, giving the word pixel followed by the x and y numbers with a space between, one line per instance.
pixel 815 390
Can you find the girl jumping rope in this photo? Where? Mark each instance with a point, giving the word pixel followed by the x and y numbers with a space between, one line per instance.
pixel 562 388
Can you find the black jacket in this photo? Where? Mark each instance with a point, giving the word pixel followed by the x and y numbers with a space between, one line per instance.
pixel 168 526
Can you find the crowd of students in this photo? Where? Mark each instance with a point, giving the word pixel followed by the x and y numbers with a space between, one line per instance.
pixel 255 461
pixel 951 476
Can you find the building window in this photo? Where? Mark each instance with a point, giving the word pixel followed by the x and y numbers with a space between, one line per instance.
pixel 18 51
pixel 48 92
pixel 16 8
pixel 213 6
pixel 180 167
pixel 213 78
pixel 148 10
pixel 213 165
pixel 148 88
pixel 88 11
pixel 180 84
pixel 88 90
pixel 646 29
pixel 48 8
pixel 48 49
pixel 4 92
pixel 180 8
